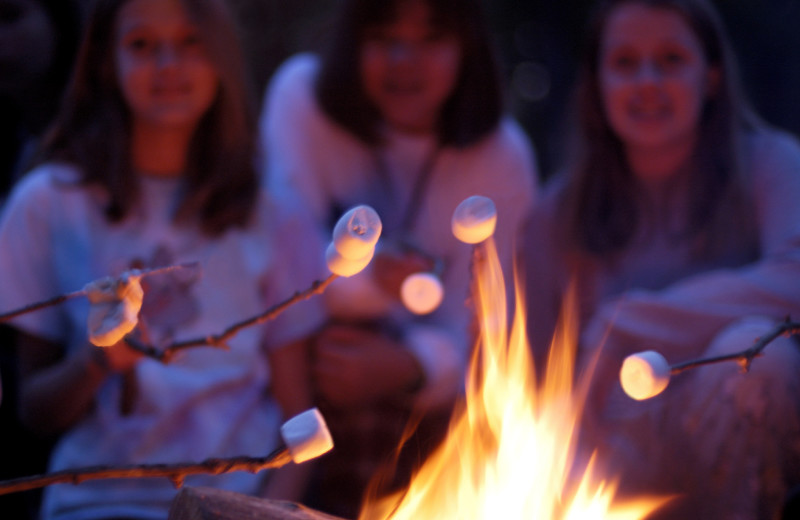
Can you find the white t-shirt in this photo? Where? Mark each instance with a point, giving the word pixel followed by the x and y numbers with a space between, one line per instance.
pixel 205 403
pixel 328 167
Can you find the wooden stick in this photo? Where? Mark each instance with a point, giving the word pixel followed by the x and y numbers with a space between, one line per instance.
pixel 745 357
pixel 64 297
pixel 219 340
pixel 175 472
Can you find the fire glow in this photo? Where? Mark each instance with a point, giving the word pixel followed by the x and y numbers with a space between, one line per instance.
pixel 510 449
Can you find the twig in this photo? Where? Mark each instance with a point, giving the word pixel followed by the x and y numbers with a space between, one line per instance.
pixel 64 297
pixel 175 472
pixel 220 340
pixel 745 357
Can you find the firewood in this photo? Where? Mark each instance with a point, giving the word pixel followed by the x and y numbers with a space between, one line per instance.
pixel 216 504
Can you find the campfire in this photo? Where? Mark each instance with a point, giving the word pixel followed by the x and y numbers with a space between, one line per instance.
pixel 511 446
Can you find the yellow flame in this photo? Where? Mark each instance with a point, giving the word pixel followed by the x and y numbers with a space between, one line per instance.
pixel 510 449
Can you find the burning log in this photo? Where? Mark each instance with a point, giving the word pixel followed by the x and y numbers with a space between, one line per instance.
pixel 216 504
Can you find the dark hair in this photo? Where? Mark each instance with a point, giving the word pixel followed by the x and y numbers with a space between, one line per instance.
pixel 66 20
pixel 93 129
pixel 473 109
pixel 600 210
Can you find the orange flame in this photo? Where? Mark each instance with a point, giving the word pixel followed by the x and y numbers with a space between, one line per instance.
pixel 510 449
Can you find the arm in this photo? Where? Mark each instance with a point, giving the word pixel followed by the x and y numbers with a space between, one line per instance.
pixel 681 319
pixel 57 391
pixel 289 126
pixel 355 367
pixel 57 384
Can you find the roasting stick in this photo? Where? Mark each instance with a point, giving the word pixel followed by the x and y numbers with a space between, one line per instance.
pixel 83 292
pixel 305 437
pixel 646 374
pixel 353 245
pixel 474 221
pixel 165 354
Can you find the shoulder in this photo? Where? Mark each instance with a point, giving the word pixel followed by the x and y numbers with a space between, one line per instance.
pixel 505 152
pixel 45 182
pixel 294 79
pixel 544 214
pixel 772 152
pixel 511 141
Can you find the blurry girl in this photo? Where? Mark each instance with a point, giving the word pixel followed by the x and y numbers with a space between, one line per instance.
pixel 678 219
pixel 403 112
pixel 151 164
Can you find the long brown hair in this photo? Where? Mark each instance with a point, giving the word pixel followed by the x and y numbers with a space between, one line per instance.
pixel 473 109
pixel 93 129
pixel 599 210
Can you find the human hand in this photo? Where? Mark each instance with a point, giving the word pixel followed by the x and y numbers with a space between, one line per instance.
pixel 354 367
pixel 118 358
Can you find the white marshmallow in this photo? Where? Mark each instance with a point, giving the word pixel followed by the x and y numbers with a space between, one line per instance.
pixel 422 293
pixel 306 436
pixel 644 375
pixel 115 305
pixel 474 219
pixel 343 266
pixel 357 232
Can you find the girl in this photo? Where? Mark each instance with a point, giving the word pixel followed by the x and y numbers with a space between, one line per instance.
pixel 151 164
pixel 679 224
pixel 403 112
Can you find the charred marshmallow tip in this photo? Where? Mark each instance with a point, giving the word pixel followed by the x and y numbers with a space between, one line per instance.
pixel 474 219
pixel 644 375
pixel 306 436
pixel 356 232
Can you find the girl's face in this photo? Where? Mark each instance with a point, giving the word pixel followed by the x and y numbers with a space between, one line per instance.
pixel 162 66
pixel 654 77
pixel 409 67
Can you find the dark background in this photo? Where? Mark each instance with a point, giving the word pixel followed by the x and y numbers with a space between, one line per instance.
pixel 539 41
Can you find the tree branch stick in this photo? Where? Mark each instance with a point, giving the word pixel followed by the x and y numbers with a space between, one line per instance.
pixel 175 472
pixel 745 357
pixel 64 297
pixel 219 340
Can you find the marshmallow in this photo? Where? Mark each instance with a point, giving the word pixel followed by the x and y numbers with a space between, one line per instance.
pixel 356 232
pixel 474 219
pixel 422 293
pixel 306 436
pixel 644 375
pixel 114 307
pixel 343 266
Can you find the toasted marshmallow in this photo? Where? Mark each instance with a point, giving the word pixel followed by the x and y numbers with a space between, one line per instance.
pixel 422 293
pixel 306 436
pixel 344 266
pixel 356 232
pixel 114 307
pixel 474 219
pixel 644 375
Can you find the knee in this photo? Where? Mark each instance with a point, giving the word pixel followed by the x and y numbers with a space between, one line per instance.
pixel 772 377
pixel 782 354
